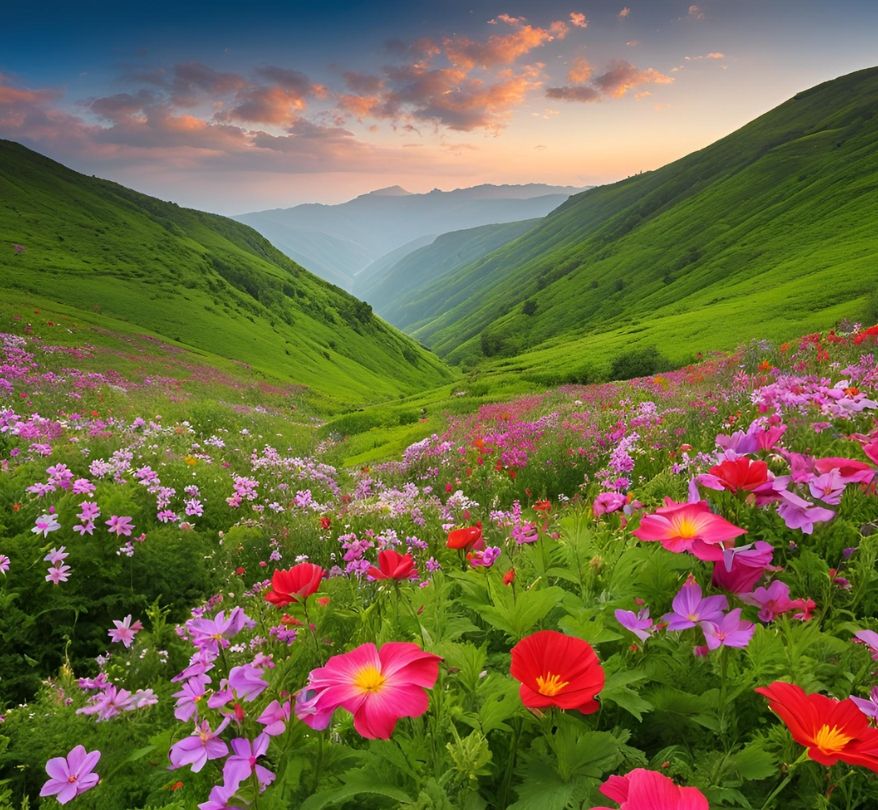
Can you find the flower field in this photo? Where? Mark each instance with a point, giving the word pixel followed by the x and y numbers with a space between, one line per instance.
pixel 652 594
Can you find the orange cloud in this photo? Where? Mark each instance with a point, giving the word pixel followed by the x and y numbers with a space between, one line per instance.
pixel 622 76
pixel 500 49
pixel 580 71
pixel 578 19
pixel 625 12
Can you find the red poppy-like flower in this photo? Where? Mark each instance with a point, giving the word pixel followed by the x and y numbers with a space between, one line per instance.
pixel 830 729
pixel 557 670
pixel 294 584
pixel 469 537
pixel 393 565
pixel 543 506
pixel 509 577
pixel 325 522
pixel 742 474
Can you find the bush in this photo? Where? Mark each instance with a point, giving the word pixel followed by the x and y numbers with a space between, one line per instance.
pixel 638 363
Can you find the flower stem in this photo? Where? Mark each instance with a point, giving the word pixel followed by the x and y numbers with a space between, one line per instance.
pixel 776 792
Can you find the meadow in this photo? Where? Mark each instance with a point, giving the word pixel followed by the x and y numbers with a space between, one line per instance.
pixel 658 592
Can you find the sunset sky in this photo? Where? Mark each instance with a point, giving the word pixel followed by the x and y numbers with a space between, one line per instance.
pixel 232 107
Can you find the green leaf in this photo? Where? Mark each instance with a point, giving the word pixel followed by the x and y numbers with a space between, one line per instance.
pixel 356 783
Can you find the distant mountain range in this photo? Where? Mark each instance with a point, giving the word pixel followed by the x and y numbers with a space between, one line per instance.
pixel 769 232
pixel 113 257
pixel 344 243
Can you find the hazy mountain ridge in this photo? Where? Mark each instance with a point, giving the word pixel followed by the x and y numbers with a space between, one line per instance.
pixel 375 224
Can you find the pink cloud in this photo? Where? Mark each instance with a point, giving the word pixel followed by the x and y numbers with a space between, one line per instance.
pixel 265 105
pixel 501 49
pixel 624 12
pixel 578 19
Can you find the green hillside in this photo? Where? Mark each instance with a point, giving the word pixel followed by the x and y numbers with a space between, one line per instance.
pixel 397 292
pixel 772 230
pixel 104 253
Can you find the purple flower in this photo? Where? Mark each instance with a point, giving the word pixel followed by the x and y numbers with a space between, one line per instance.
pixel 689 608
pixel 124 631
pixel 729 631
pixel 71 775
pixel 247 681
pixel 58 574
pixel 869 706
pixel 4 563
pixel 211 634
pixel 219 799
pixel 108 703
pixel 189 696
pixel 798 513
pixel 275 718
pixel 638 623
pixel 200 746
pixel 870 639
pixel 828 487
pixel 484 558
pixel 242 763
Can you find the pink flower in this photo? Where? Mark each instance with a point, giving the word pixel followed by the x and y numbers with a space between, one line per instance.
pixel 58 574
pixel 4 563
pixel 200 746
pixel 608 502
pixel 869 706
pixel 798 513
pixel 189 696
pixel 56 555
pixel 275 718
pixel 870 639
pixel 641 789
pixel 688 527
pixel 376 686
pixel 45 524
pixel 828 487
pixel 728 631
pixel 71 775
pixel 124 631
pixel 120 525
pixel 219 799
pixel 851 470
pixel 775 600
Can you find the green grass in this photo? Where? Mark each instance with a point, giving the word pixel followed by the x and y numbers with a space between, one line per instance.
pixel 204 282
pixel 771 231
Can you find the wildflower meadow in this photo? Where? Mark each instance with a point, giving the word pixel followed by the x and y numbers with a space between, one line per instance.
pixel 657 594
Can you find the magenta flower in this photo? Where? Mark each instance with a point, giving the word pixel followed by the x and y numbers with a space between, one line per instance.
pixel 742 567
pixel 108 703
pixel 120 525
pixel 124 631
pixel 608 502
pixel 242 763
pixel 71 775
pixel 45 524
pixel 689 608
pixel 638 623
pixel 869 706
pixel 484 558
pixel 200 746
pixel 4 563
pixel 275 718
pixel 641 789
pixel 211 634
pixel 58 574
pixel 798 513
pixel 376 686
pixel 728 631
pixel 775 600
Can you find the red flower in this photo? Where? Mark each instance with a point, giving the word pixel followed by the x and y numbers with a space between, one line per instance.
pixel 240 570
pixel 830 729
pixel 468 537
pixel 543 506
pixel 393 565
pixel 509 577
pixel 294 584
pixel 325 522
pixel 557 670
pixel 741 474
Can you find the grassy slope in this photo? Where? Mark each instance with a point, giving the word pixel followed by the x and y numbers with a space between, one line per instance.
pixel 397 293
pixel 770 231
pixel 204 281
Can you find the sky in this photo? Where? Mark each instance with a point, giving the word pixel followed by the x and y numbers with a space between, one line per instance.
pixel 234 107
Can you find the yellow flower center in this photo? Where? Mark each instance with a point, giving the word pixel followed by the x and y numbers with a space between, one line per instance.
pixel 550 685
pixel 686 527
pixel 369 679
pixel 831 740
